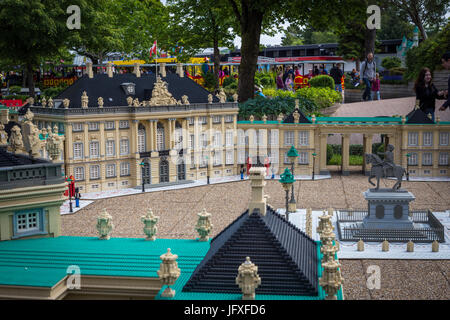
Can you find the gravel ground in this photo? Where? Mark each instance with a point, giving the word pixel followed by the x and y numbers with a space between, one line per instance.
pixel 177 209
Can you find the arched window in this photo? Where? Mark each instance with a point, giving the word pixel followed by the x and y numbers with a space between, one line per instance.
pixel 163 171
pixel 141 138
pixel 160 137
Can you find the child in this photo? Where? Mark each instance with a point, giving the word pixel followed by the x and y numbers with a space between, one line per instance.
pixel 376 87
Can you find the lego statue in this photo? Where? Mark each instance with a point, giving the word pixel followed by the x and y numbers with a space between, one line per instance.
pixel 3 135
pixel 16 141
pixel 385 168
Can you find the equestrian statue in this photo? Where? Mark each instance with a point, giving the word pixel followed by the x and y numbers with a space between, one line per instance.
pixel 385 168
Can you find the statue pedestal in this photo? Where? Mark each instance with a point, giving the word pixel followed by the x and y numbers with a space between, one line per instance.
pixel 388 209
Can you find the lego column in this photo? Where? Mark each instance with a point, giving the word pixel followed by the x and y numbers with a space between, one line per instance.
pixel 404 151
pixel 345 154
pixel 155 135
pixel 367 146
pixel 171 144
pixel 150 136
pixel 435 172
pixel 323 154
pixel 135 167
pixel 154 166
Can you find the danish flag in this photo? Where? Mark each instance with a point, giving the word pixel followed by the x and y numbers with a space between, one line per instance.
pixel 153 50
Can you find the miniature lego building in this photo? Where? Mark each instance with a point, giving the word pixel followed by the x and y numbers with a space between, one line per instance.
pixel 421 145
pixel 31 194
pixel 112 124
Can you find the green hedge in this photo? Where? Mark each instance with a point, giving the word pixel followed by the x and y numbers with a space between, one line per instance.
pixel 428 53
pixel 22 97
pixel 260 106
pixel 15 89
pixel 266 79
pixel 391 62
pixel 322 97
pixel 230 81
pixel 322 81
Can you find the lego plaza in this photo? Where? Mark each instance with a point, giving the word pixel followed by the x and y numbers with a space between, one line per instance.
pixel 173 197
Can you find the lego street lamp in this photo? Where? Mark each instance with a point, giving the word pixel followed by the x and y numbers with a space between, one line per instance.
pixel 292 155
pixel 287 180
pixel 407 165
pixel 314 161
pixel 69 180
pixel 142 164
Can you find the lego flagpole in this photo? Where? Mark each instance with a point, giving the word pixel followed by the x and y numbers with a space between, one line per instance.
pixel 156 60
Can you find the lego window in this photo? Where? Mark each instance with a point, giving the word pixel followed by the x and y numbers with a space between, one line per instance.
pixel 412 160
pixel 288 138
pixel 94 149
pixel 28 222
pixel 443 159
pixel 443 138
pixel 141 139
pixel 160 139
pixel 123 124
pixel 124 169
pixel 229 138
pixel 191 142
pixel 216 119
pixel 78 173
pixel 229 157
pixel 78 150
pixel 413 138
pixel 95 172
pixel 109 125
pixel 303 138
pixel 77 126
pixel 427 138
pixel 229 118
pixel 427 159
pixel 93 126
pixel 110 148
pixel 303 157
pixel 124 147
pixel 110 170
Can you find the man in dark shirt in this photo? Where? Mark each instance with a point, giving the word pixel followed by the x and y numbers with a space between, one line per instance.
pixel 446 65
pixel 336 73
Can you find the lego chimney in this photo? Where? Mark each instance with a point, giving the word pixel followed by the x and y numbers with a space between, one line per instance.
pixel 109 69
pixel 89 70
pixel 258 200
pixel 136 70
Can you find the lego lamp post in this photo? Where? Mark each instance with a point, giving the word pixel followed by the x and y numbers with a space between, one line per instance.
pixel 287 179
pixel 69 181
pixel 407 165
pixel 292 155
pixel 142 164
pixel 314 162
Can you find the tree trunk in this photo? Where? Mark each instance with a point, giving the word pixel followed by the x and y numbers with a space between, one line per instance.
pixel 421 29
pixel 358 64
pixel 370 41
pixel 216 61
pixel 30 80
pixel 250 34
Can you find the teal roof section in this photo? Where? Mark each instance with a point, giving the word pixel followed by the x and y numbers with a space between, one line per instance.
pixel 11 110
pixel 186 274
pixel 340 120
pixel 44 262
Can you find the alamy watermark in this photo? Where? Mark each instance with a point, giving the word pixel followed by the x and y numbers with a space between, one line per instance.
pixel 74 20
pixel 374 279
pixel 74 280
pixel 374 20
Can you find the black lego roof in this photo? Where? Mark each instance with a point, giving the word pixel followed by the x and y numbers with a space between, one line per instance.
pixel 290 118
pixel 111 91
pixel 285 256
pixel 418 116
pixel 9 159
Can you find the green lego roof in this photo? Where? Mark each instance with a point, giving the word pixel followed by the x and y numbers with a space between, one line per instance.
pixel 43 262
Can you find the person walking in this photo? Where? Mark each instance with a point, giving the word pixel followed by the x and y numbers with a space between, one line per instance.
pixel 376 87
pixel 336 73
pixel 426 92
pixel 289 84
pixel 368 71
pixel 446 65
pixel 280 83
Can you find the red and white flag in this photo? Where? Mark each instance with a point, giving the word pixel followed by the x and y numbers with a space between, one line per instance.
pixel 153 50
